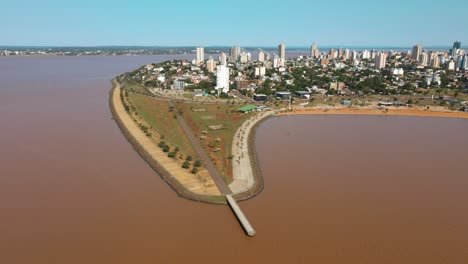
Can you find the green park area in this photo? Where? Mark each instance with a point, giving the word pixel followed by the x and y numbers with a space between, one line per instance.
pixel 215 125
pixel 160 116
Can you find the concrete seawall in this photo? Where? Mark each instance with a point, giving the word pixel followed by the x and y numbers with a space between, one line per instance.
pixel 240 216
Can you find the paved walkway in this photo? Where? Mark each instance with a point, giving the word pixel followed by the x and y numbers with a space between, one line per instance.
pixel 242 169
pixel 215 175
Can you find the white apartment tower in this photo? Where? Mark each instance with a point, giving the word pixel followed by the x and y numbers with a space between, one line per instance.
pixel 222 58
pixel 380 60
pixel 222 78
pixel 200 54
pixel 261 56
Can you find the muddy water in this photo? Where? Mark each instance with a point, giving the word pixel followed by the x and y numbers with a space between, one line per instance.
pixel 337 189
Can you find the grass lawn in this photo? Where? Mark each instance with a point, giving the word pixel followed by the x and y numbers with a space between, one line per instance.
pixel 156 114
pixel 136 89
pixel 223 114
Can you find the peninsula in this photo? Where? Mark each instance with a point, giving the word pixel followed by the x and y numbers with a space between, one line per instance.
pixel 194 121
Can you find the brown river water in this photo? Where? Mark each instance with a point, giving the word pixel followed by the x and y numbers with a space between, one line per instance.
pixel 338 189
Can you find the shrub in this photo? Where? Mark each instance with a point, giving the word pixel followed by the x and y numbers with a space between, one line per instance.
pixel 176 149
pixel 166 148
pixel 194 170
pixel 162 144
pixel 171 154
pixel 197 163
pixel 189 158
pixel 186 165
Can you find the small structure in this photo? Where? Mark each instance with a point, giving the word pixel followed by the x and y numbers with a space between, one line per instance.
pixel 247 109
pixel 346 102
pixel 303 94
pixel 260 97
pixel 283 95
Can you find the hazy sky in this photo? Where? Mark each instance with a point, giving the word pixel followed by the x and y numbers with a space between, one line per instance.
pixel 235 22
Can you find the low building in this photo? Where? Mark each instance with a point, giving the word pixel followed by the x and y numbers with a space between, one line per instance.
pixel 303 94
pixel 247 109
pixel 346 102
pixel 179 84
pixel 283 95
pixel 260 97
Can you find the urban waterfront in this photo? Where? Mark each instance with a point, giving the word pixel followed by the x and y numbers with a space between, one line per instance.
pixel 353 189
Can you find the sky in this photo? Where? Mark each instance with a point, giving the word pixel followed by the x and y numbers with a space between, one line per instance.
pixel 396 23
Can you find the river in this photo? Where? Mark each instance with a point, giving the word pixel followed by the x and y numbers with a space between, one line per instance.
pixel 338 189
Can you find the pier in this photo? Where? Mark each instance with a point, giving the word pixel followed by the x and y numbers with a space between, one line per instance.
pixel 240 216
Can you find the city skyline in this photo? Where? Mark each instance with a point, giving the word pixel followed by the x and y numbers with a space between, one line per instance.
pixel 162 23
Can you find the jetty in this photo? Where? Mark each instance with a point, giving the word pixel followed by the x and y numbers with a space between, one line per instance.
pixel 249 230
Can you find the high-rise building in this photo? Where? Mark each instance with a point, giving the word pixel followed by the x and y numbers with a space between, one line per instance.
pixel 222 59
pixel 234 54
pixel 222 78
pixel 313 51
pixel 456 46
pixel 211 65
pixel 380 60
pixel 346 54
pixel 200 54
pixel 245 57
pixel 365 55
pixel 416 52
pixel 282 51
pixel 464 62
pixel 354 55
pixel 261 56
pixel 260 71
pixel 435 62
pixel 423 59
pixel 333 53
pixel 340 53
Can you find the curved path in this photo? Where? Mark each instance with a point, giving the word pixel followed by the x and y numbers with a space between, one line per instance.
pixel 243 174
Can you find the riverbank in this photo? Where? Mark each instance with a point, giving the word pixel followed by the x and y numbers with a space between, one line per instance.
pixel 391 111
pixel 184 183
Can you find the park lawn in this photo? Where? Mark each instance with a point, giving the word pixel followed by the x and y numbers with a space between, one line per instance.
pixel 156 114
pixel 135 88
pixel 216 114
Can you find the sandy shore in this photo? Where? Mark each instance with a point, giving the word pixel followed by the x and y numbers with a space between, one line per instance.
pixel 180 179
pixel 392 111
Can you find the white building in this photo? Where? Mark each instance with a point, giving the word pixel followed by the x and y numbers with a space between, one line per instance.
pixel 398 71
pixel 423 59
pixel 314 53
pixel 222 78
pixel 179 84
pixel 366 54
pixel 261 56
pixel 451 65
pixel 245 57
pixel 380 60
pixel 223 58
pixel 260 71
pixel 200 55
